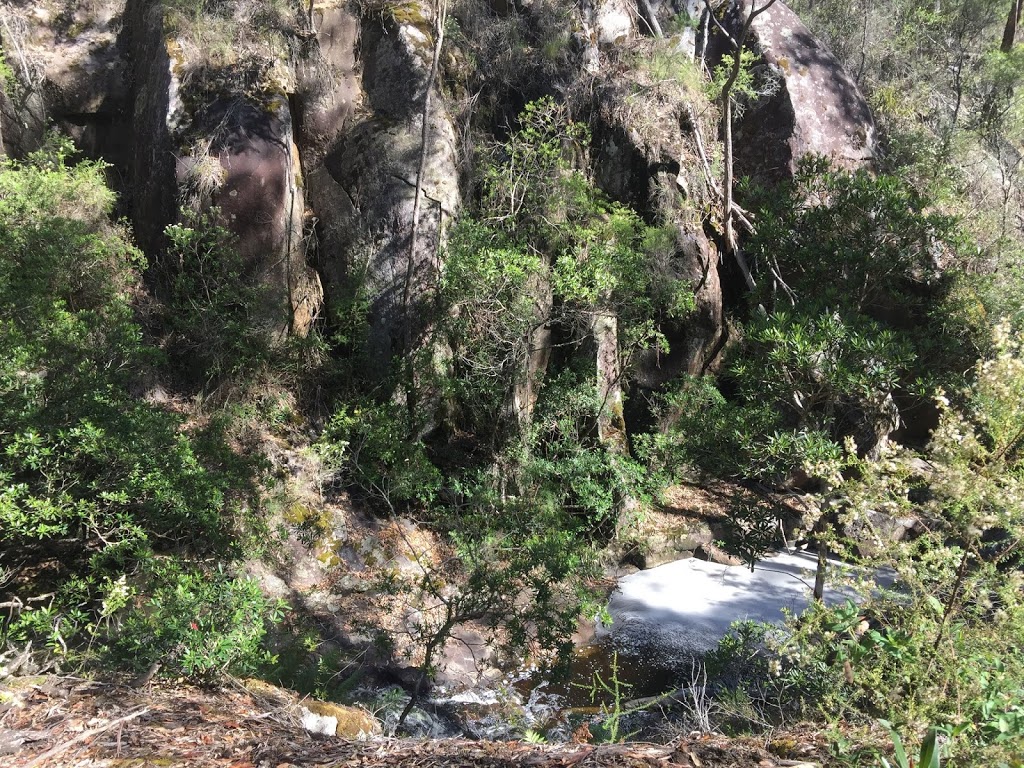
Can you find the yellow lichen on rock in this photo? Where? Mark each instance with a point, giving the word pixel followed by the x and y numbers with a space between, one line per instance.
pixel 352 722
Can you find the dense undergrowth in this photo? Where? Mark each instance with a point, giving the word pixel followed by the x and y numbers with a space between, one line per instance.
pixel 123 512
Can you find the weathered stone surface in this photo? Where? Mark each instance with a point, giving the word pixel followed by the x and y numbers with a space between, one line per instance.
pixel 70 73
pixel 615 21
pixel 646 155
pixel 364 192
pixel 329 90
pixel 219 133
pixel 260 198
pixel 155 97
pixel 344 722
pixel 527 386
pixel 816 107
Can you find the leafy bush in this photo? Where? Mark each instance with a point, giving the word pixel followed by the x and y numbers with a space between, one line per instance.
pixel 875 318
pixel 942 647
pixel 367 444
pixel 213 306
pixel 702 430
pixel 544 252
pixel 90 475
pixel 825 372
pixel 199 624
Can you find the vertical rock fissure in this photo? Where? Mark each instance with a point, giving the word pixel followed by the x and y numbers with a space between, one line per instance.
pixel 440 16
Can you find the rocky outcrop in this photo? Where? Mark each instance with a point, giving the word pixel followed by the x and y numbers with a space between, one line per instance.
pixel 308 135
pixel 363 191
pixel 185 119
pixel 69 72
pixel 215 132
pixel 648 145
pixel 151 166
pixel 330 719
pixel 809 104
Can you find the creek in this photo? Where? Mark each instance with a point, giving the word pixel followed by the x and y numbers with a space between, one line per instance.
pixel 663 619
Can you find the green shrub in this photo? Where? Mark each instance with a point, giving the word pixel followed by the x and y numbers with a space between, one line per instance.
pixel 92 477
pixel 213 307
pixel 201 624
pixel 565 467
pixel 368 445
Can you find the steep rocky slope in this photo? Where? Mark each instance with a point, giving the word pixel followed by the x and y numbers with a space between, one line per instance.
pixel 306 130
pixel 339 141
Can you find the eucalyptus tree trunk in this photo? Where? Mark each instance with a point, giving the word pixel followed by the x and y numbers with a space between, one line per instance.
pixel 1012 21
pixel 729 207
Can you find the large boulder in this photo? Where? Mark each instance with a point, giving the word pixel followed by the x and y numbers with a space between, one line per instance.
pixel 810 105
pixel 215 130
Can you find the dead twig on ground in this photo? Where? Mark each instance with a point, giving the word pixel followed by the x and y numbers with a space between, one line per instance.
pixel 83 736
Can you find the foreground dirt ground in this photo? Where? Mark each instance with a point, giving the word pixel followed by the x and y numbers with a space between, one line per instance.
pixel 74 723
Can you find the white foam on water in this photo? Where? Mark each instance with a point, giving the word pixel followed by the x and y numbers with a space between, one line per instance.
pixel 685 607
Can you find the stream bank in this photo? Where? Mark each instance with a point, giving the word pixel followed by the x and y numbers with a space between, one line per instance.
pixel 68 722
pixel 663 622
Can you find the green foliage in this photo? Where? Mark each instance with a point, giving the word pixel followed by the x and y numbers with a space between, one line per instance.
pixel 565 467
pixel 198 624
pixel 493 286
pixel 947 102
pixel 613 712
pixel 544 251
pixel 592 248
pixel 745 86
pixel 942 648
pixel 90 475
pixel 820 369
pixel 81 457
pixel 752 529
pixel 705 431
pixel 367 444
pixel 858 242
pixel 928 757
pixel 7 76
pixel 873 316
pixel 213 305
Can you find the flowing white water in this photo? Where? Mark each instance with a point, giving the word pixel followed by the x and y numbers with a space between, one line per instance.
pixel 682 609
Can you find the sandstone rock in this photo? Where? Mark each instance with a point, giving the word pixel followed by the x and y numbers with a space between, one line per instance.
pixel 337 720
pixel 210 133
pixel 329 90
pixel 320 717
pixel 645 152
pixel 615 21
pixel 70 72
pixel 155 99
pixel 363 191
pixel 260 198
pixel 816 106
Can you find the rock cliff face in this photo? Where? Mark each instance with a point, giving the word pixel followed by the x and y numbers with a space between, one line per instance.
pixel 69 71
pixel 362 183
pixel 310 131
pixel 648 145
